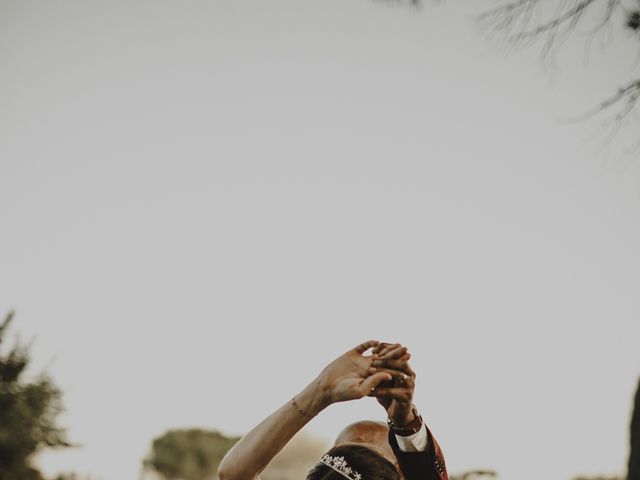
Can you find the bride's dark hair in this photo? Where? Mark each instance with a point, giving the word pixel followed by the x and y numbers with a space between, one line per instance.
pixel 369 464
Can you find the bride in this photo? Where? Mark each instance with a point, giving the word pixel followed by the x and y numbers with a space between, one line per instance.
pixel 403 448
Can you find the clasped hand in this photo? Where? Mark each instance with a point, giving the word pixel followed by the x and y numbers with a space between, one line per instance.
pixel 384 374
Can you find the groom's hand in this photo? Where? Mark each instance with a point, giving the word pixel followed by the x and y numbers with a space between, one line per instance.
pixel 395 395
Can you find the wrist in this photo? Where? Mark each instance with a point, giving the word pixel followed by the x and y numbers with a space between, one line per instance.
pixel 313 399
pixel 402 414
pixel 407 424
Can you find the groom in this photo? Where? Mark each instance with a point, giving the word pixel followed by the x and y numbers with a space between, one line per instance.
pixel 417 452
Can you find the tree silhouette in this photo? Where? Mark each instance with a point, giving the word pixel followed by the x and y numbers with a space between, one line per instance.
pixel 28 412
pixel 188 454
pixel 549 24
pixel 525 23
pixel 475 475
pixel 633 470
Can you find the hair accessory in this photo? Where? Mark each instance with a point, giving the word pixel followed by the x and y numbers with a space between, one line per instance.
pixel 339 464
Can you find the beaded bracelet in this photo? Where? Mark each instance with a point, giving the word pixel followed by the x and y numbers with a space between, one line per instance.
pixel 300 411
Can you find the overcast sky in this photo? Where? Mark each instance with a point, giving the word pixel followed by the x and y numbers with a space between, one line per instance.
pixel 202 203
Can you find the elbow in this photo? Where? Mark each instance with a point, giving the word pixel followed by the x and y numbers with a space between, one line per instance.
pixel 226 471
pixel 233 467
pixel 222 473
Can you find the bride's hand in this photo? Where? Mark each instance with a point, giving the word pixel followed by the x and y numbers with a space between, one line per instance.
pixel 351 375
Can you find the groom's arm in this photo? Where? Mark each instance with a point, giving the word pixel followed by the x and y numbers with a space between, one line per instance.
pixel 419 455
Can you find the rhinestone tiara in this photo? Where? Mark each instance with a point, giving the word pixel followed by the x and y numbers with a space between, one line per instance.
pixel 339 464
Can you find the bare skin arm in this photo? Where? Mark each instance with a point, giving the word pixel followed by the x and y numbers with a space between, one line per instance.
pixel 349 377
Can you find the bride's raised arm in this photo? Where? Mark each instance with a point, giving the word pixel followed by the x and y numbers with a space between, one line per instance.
pixel 349 377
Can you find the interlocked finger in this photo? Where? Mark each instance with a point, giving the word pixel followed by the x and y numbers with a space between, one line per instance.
pixel 395 352
pixel 400 364
pixel 385 348
pixel 399 379
pixel 363 347
pixel 395 393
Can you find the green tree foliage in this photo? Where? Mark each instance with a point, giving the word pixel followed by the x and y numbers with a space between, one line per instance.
pixel 599 477
pixel 72 476
pixel 28 411
pixel 192 454
pixel 475 475
pixel 633 471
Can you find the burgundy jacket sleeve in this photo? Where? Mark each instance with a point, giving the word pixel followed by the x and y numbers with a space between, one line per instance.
pixel 427 465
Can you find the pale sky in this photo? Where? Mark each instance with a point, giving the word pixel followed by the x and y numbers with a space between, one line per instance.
pixel 205 202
